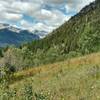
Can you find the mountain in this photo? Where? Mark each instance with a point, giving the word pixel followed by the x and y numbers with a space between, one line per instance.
pixel 76 37
pixel 10 35
pixel 72 79
pixel 81 33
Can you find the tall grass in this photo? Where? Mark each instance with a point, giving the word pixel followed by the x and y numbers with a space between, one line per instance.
pixel 76 79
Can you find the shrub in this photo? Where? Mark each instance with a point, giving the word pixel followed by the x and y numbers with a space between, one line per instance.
pixel 28 92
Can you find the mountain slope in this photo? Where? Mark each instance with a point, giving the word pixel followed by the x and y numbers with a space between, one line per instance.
pixel 10 35
pixel 76 79
pixel 79 36
pixel 81 33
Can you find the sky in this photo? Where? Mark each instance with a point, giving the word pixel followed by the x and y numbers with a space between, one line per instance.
pixel 42 15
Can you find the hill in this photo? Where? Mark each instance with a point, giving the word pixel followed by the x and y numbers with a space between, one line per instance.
pixel 10 35
pixel 74 79
pixel 81 33
pixel 76 37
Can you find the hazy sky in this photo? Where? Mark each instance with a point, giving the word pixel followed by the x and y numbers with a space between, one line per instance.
pixel 39 14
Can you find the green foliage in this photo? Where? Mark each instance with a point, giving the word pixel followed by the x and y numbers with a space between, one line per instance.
pixel 65 82
pixel 6 73
pixel 90 40
pixel 28 92
pixel 1 52
pixel 80 35
pixel 40 96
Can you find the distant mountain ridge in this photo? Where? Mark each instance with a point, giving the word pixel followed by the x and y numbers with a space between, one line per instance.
pixel 10 35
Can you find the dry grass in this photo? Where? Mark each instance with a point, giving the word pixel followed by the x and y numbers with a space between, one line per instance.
pixel 74 79
pixel 86 60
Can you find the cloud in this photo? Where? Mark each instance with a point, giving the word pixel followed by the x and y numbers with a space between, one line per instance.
pixel 57 18
pixel 39 14
pixel 25 24
pixel 12 16
pixel 41 26
pixel 25 7
pixel 54 1
pixel 50 16
pixel 76 5
pixel 38 26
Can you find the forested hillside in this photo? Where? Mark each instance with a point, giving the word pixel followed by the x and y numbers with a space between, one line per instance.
pixel 78 36
pixel 81 33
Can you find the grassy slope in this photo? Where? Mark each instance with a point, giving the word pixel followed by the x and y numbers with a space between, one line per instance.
pixel 75 79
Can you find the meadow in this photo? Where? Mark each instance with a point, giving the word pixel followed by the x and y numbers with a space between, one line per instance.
pixel 73 79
